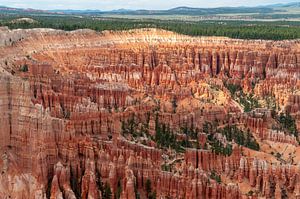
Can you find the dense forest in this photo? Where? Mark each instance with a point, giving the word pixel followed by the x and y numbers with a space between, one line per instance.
pixel 233 29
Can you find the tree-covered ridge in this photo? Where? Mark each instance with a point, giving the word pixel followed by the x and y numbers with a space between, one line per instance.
pixel 288 123
pixel 164 136
pixel 232 29
pixel 240 137
pixel 232 134
pixel 188 137
pixel 135 127
pixel 248 101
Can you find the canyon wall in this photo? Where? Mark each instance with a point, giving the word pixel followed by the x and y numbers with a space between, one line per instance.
pixel 64 95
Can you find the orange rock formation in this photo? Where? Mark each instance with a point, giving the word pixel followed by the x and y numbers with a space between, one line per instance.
pixel 61 120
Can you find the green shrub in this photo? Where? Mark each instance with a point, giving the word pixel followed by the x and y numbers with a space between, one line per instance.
pixel 24 68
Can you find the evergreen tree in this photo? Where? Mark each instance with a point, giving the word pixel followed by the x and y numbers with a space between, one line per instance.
pixel 148 188
pixel 106 194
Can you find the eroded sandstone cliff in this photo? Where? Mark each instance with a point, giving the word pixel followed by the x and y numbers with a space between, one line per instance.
pixel 66 97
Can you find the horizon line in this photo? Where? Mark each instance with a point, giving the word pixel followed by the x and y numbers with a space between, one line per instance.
pixel 137 9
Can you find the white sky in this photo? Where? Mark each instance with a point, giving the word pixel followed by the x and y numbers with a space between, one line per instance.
pixel 132 4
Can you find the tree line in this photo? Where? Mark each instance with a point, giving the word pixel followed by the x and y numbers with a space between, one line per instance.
pixel 235 29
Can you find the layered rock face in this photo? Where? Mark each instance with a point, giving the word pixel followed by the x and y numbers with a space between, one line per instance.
pixel 65 95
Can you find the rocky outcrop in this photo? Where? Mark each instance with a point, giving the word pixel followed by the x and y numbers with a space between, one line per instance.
pixel 64 95
pixel 262 177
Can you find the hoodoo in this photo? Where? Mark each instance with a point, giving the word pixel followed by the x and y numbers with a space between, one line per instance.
pixel 145 113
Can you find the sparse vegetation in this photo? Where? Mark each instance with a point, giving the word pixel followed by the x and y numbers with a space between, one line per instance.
pixel 249 102
pixel 231 133
pixel 165 137
pixel 24 68
pixel 233 88
pixel 75 183
pixel 216 145
pixel 106 193
pixel 288 123
pixel 174 104
pixel 278 155
pixel 93 81
pixel 215 176
pixel 250 193
pixel 135 127
pixel 240 137
pixel 119 189
pixel 166 167
pixel 149 193
pixel 271 103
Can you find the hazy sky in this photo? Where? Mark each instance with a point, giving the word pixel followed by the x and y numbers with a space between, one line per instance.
pixel 132 4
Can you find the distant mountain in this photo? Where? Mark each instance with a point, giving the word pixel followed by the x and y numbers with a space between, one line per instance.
pixel 9 10
pixel 183 10
pixel 198 11
pixel 288 5
pixel 294 5
pixel 121 10
pixel 69 11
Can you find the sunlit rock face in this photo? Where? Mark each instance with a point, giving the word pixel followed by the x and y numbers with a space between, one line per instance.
pixel 64 95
